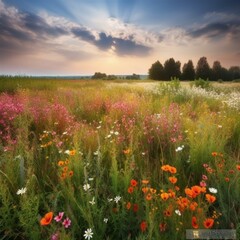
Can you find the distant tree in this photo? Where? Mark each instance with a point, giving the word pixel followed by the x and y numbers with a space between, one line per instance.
pixel 133 77
pixel 98 75
pixel 217 71
pixel 203 70
pixel 188 71
pixel 172 69
pixel 234 72
pixel 156 72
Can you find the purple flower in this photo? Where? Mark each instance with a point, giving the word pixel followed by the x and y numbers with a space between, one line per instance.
pixel 66 222
pixel 59 217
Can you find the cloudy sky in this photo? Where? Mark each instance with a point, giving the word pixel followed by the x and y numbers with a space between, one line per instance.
pixel 79 37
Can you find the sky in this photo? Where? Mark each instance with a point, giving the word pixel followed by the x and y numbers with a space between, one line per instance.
pixel 81 37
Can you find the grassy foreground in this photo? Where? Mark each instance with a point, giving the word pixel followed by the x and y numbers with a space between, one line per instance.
pixel 94 160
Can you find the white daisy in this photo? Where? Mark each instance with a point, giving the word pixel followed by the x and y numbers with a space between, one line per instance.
pixel 88 234
pixel 21 191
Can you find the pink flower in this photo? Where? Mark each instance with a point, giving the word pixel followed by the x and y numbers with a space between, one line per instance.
pixel 203 184
pixel 204 177
pixel 59 217
pixel 66 222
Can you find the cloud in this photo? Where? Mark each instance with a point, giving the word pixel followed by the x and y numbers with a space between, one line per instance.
pixel 218 29
pixel 121 46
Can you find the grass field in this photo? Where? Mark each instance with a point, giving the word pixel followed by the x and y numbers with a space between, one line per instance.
pixel 112 160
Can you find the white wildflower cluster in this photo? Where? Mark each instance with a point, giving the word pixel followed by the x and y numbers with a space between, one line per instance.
pixel 179 149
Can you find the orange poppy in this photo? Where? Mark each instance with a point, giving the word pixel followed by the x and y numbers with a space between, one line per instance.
pixel 63 176
pixel 128 205
pixel 196 190
pixel 194 222
pixel 214 154
pixel 164 196
pixel 193 206
pixel 238 167
pixel 208 223
pixel 72 152
pixel 66 162
pixel 210 198
pixel 153 190
pixel 46 220
pixel 134 183
pixel 167 212
pixel 145 181
pixel 130 189
pixel 148 197
pixel 189 192
pixel 60 163
pixel 173 180
pixel 65 169
pixel 166 168
pixel 127 151
pixel 172 170
pixel 70 173
pixel 145 189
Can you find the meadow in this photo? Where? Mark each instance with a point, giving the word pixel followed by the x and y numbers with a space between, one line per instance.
pixel 111 160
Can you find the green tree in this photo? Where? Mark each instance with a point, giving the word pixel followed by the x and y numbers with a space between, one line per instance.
pixel 234 72
pixel 99 75
pixel 156 72
pixel 188 71
pixel 203 69
pixel 217 71
pixel 172 69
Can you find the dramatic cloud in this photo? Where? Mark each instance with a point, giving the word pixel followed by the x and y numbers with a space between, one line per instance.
pixel 218 29
pixel 107 42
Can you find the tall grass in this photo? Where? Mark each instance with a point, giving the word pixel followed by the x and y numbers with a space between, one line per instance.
pixel 123 163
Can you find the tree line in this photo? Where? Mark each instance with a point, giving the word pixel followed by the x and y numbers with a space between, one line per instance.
pixel 172 68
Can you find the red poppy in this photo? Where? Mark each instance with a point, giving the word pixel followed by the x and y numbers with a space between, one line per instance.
pixel 130 189
pixel 134 183
pixel 143 226
pixel 210 198
pixel 135 207
pixel 46 220
pixel 208 223
pixel 194 222
pixel 162 227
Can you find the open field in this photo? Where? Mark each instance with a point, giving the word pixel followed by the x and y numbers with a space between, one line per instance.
pixel 117 160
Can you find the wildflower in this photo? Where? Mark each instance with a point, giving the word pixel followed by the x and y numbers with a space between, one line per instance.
pixel 153 190
pixel 60 163
pixel 194 222
pixel 54 236
pixel 203 184
pixel 227 179
pixel 88 234
pixel 65 169
pixel 134 183
pixel 162 227
pixel 204 177
pixel 105 220
pixel 173 180
pixel 238 167
pixel 130 189
pixel 59 217
pixel 145 181
pixel 127 151
pixel 86 186
pixel 116 133
pixel 212 190
pixel 66 222
pixel 189 192
pixel 145 189
pixel 135 207
pixel 63 175
pixel 92 202
pixel 208 223
pixel 46 220
pixel 177 211
pixel 117 199
pixel 210 198
pixel 172 170
pixel 193 206
pixel 70 173
pixel 148 197
pixel 167 213
pixel 128 205
pixel 90 179
pixel 214 154
pixel 143 226
pixel 196 190
pixel 164 196
pixel 165 168
pixel 21 191
pixel 72 152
